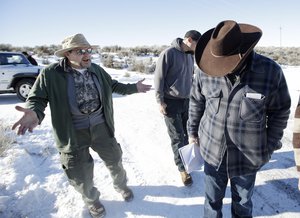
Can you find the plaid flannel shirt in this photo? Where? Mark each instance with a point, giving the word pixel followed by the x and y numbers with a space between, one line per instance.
pixel 245 120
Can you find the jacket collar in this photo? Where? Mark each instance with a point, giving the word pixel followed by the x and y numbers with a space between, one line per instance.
pixel 64 66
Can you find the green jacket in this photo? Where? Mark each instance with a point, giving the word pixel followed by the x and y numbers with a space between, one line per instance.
pixel 51 87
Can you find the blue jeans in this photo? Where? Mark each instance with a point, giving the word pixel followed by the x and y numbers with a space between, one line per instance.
pixel 176 121
pixel 215 187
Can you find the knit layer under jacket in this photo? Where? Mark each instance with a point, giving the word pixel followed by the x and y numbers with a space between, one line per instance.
pixel 174 73
pixel 245 120
pixel 296 136
pixel 51 87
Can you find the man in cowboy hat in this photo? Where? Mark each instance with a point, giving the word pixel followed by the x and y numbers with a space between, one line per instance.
pixel 239 107
pixel 173 81
pixel 79 94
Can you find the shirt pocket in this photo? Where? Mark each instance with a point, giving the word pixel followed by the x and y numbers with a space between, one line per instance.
pixel 213 100
pixel 252 109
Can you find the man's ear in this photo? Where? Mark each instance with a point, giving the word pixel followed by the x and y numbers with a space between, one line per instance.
pixel 190 40
pixel 67 54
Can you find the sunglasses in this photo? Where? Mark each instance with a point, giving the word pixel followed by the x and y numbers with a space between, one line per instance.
pixel 84 51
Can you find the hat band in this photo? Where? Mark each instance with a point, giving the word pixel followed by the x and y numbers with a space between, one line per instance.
pixel 231 53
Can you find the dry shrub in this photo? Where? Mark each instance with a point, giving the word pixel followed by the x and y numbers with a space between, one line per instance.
pixel 7 137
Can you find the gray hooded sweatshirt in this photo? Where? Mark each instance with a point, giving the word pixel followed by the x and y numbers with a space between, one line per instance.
pixel 173 73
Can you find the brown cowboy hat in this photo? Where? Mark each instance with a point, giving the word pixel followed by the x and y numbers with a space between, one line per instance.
pixel 75 41
pixel 223 49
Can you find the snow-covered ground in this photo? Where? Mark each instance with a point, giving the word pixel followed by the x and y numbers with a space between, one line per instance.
pixel 32 183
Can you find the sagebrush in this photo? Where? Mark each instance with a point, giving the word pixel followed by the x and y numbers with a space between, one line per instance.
pixel 7 137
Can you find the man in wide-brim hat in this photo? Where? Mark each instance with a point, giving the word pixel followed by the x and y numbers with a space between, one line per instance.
pixel 79 94
pixel 239 107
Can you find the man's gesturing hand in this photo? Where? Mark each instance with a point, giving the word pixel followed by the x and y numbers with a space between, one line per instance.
pixel 28 122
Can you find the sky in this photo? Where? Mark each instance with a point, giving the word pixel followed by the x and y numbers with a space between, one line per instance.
pixel 133 23
pixel 33 185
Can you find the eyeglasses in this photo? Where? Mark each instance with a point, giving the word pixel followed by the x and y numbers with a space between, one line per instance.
pixel 84 51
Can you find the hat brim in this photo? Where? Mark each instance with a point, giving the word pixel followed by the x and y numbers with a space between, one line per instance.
pixel 61 52
pixel 222 65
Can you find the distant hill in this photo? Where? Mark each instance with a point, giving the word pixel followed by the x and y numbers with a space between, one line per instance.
pixel 282 55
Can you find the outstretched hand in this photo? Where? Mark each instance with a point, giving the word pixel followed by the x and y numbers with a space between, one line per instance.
pixel 142 87
pixel 28 122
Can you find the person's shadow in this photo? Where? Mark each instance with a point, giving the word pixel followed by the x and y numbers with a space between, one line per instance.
pixel 9 99
pixel 280 160
pixel 152 201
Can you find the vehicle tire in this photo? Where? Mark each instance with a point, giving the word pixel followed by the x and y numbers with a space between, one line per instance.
pixel 23 87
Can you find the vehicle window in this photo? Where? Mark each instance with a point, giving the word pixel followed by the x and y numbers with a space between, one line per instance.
pixel 3 60
pixel 16 59
pixel 12 59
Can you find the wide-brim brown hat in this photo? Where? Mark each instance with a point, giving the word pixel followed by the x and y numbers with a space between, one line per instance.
pixel 223 49
pixel 71 42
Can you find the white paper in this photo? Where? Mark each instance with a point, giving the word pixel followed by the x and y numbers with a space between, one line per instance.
pixel 253 95
pixel 191 157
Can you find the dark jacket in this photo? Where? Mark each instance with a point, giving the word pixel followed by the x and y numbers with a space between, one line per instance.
pixel 51 87
pixel 226 118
